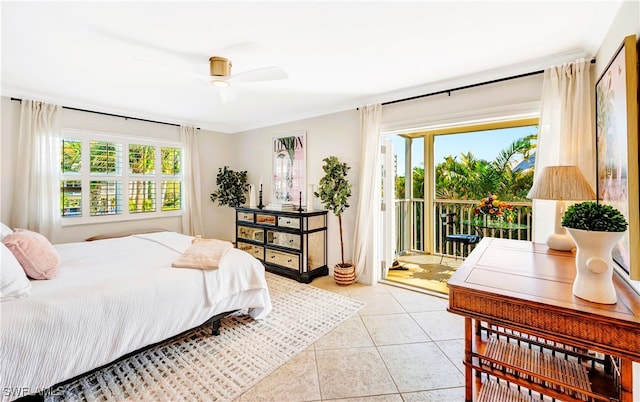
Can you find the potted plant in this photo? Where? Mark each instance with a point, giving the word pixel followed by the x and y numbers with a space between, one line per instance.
pixel 334 191
pixel 596 228
pixel 232 187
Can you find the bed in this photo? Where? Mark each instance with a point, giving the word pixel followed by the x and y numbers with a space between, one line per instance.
pixel 111 297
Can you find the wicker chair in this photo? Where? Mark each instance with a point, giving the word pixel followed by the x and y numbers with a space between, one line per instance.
pixel 449 220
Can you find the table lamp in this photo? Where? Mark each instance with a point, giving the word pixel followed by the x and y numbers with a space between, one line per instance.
pixel 561 183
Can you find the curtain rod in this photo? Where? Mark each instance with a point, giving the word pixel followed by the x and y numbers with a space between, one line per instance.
pixel 448 91
pixel 113 115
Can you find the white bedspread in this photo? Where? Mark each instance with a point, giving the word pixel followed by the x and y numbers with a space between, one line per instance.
pixel 112 297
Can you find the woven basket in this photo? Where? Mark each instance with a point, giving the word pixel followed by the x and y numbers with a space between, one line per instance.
pixel 344 276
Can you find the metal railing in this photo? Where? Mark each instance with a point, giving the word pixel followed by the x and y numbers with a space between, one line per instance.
pixel 410 221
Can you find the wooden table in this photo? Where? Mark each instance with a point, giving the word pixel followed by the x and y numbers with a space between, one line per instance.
pixel 521 293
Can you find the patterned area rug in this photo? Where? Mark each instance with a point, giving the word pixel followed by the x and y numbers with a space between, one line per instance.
pixel 201 367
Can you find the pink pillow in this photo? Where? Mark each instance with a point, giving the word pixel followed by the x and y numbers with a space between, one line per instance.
pixel 34 252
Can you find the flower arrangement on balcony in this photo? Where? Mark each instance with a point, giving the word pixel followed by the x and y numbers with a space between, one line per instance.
pixel 492 208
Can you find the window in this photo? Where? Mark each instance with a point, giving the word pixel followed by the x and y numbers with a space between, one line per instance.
pixel 171 188
pixel 118 176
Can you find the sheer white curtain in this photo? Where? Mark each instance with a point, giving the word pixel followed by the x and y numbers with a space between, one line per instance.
pixel 191 195
pixel 566 134
pixel 36 194
pixel 366 252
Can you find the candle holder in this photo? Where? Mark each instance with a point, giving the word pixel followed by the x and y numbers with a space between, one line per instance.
pixel 300 207
pixel 260 205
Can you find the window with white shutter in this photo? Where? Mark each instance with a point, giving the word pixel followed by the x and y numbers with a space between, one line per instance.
pixel 117 177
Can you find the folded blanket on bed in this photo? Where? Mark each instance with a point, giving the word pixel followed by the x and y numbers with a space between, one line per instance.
pixel 203 254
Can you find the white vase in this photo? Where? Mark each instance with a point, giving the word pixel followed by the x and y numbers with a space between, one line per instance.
pixel 594 265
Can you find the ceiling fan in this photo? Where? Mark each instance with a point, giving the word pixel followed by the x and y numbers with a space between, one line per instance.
pixel 220 75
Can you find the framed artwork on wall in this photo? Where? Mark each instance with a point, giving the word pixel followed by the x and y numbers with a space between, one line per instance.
pixel 289 165
pixel 617 148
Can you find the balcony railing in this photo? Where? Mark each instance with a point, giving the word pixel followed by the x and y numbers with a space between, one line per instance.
pixel 410 221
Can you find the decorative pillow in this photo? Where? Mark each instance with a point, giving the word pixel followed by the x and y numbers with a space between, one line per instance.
pixel 4 230
pixel 34 252
pixel 203 254
pixel 13 281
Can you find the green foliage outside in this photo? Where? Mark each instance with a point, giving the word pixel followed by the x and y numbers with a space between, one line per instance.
pixel 464 177
pixel 105 159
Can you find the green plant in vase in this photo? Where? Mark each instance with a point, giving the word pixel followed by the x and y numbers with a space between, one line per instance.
pixel 596 229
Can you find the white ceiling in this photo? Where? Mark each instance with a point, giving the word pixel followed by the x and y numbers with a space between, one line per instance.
pixel 338 55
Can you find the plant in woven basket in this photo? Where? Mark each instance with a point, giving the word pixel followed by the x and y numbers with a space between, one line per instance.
pixel 334 191
pixel 232 187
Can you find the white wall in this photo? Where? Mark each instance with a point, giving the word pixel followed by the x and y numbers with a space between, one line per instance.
pixel 216 150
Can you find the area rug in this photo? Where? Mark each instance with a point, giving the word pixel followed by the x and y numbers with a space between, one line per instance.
pixel 201 367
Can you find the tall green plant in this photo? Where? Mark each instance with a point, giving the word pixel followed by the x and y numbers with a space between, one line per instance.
pixel 334 191
pixel 232 187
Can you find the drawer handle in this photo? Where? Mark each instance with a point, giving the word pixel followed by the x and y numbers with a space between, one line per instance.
pixel 289 260
pixel 288 222
pixel 291 241
pixel 273 256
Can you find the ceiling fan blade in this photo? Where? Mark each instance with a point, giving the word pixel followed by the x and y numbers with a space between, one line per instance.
pixel 171 69
pixel 227 94
pixel 261 74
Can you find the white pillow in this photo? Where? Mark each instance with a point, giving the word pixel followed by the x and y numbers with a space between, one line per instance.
pixel 4 230
pixel 13 281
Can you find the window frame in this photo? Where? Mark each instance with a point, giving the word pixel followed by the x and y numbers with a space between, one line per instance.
pixel 85 177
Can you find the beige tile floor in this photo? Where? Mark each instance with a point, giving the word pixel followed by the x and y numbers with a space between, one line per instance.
pixel 401 346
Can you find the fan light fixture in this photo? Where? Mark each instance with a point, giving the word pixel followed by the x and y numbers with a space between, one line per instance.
pixel 220 75
pixel 219 69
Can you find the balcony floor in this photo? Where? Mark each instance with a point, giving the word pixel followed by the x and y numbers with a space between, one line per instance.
pixel 425 271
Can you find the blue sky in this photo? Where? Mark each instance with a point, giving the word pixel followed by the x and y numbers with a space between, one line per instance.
pixel 484 145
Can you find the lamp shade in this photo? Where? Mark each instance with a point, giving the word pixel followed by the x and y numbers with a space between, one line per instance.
pixel 561 183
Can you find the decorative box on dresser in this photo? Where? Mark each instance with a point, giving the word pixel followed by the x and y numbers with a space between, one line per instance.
pixel 528 338
pixel 289 243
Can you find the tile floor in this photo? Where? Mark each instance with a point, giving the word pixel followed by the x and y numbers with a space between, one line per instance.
pixel 402 346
